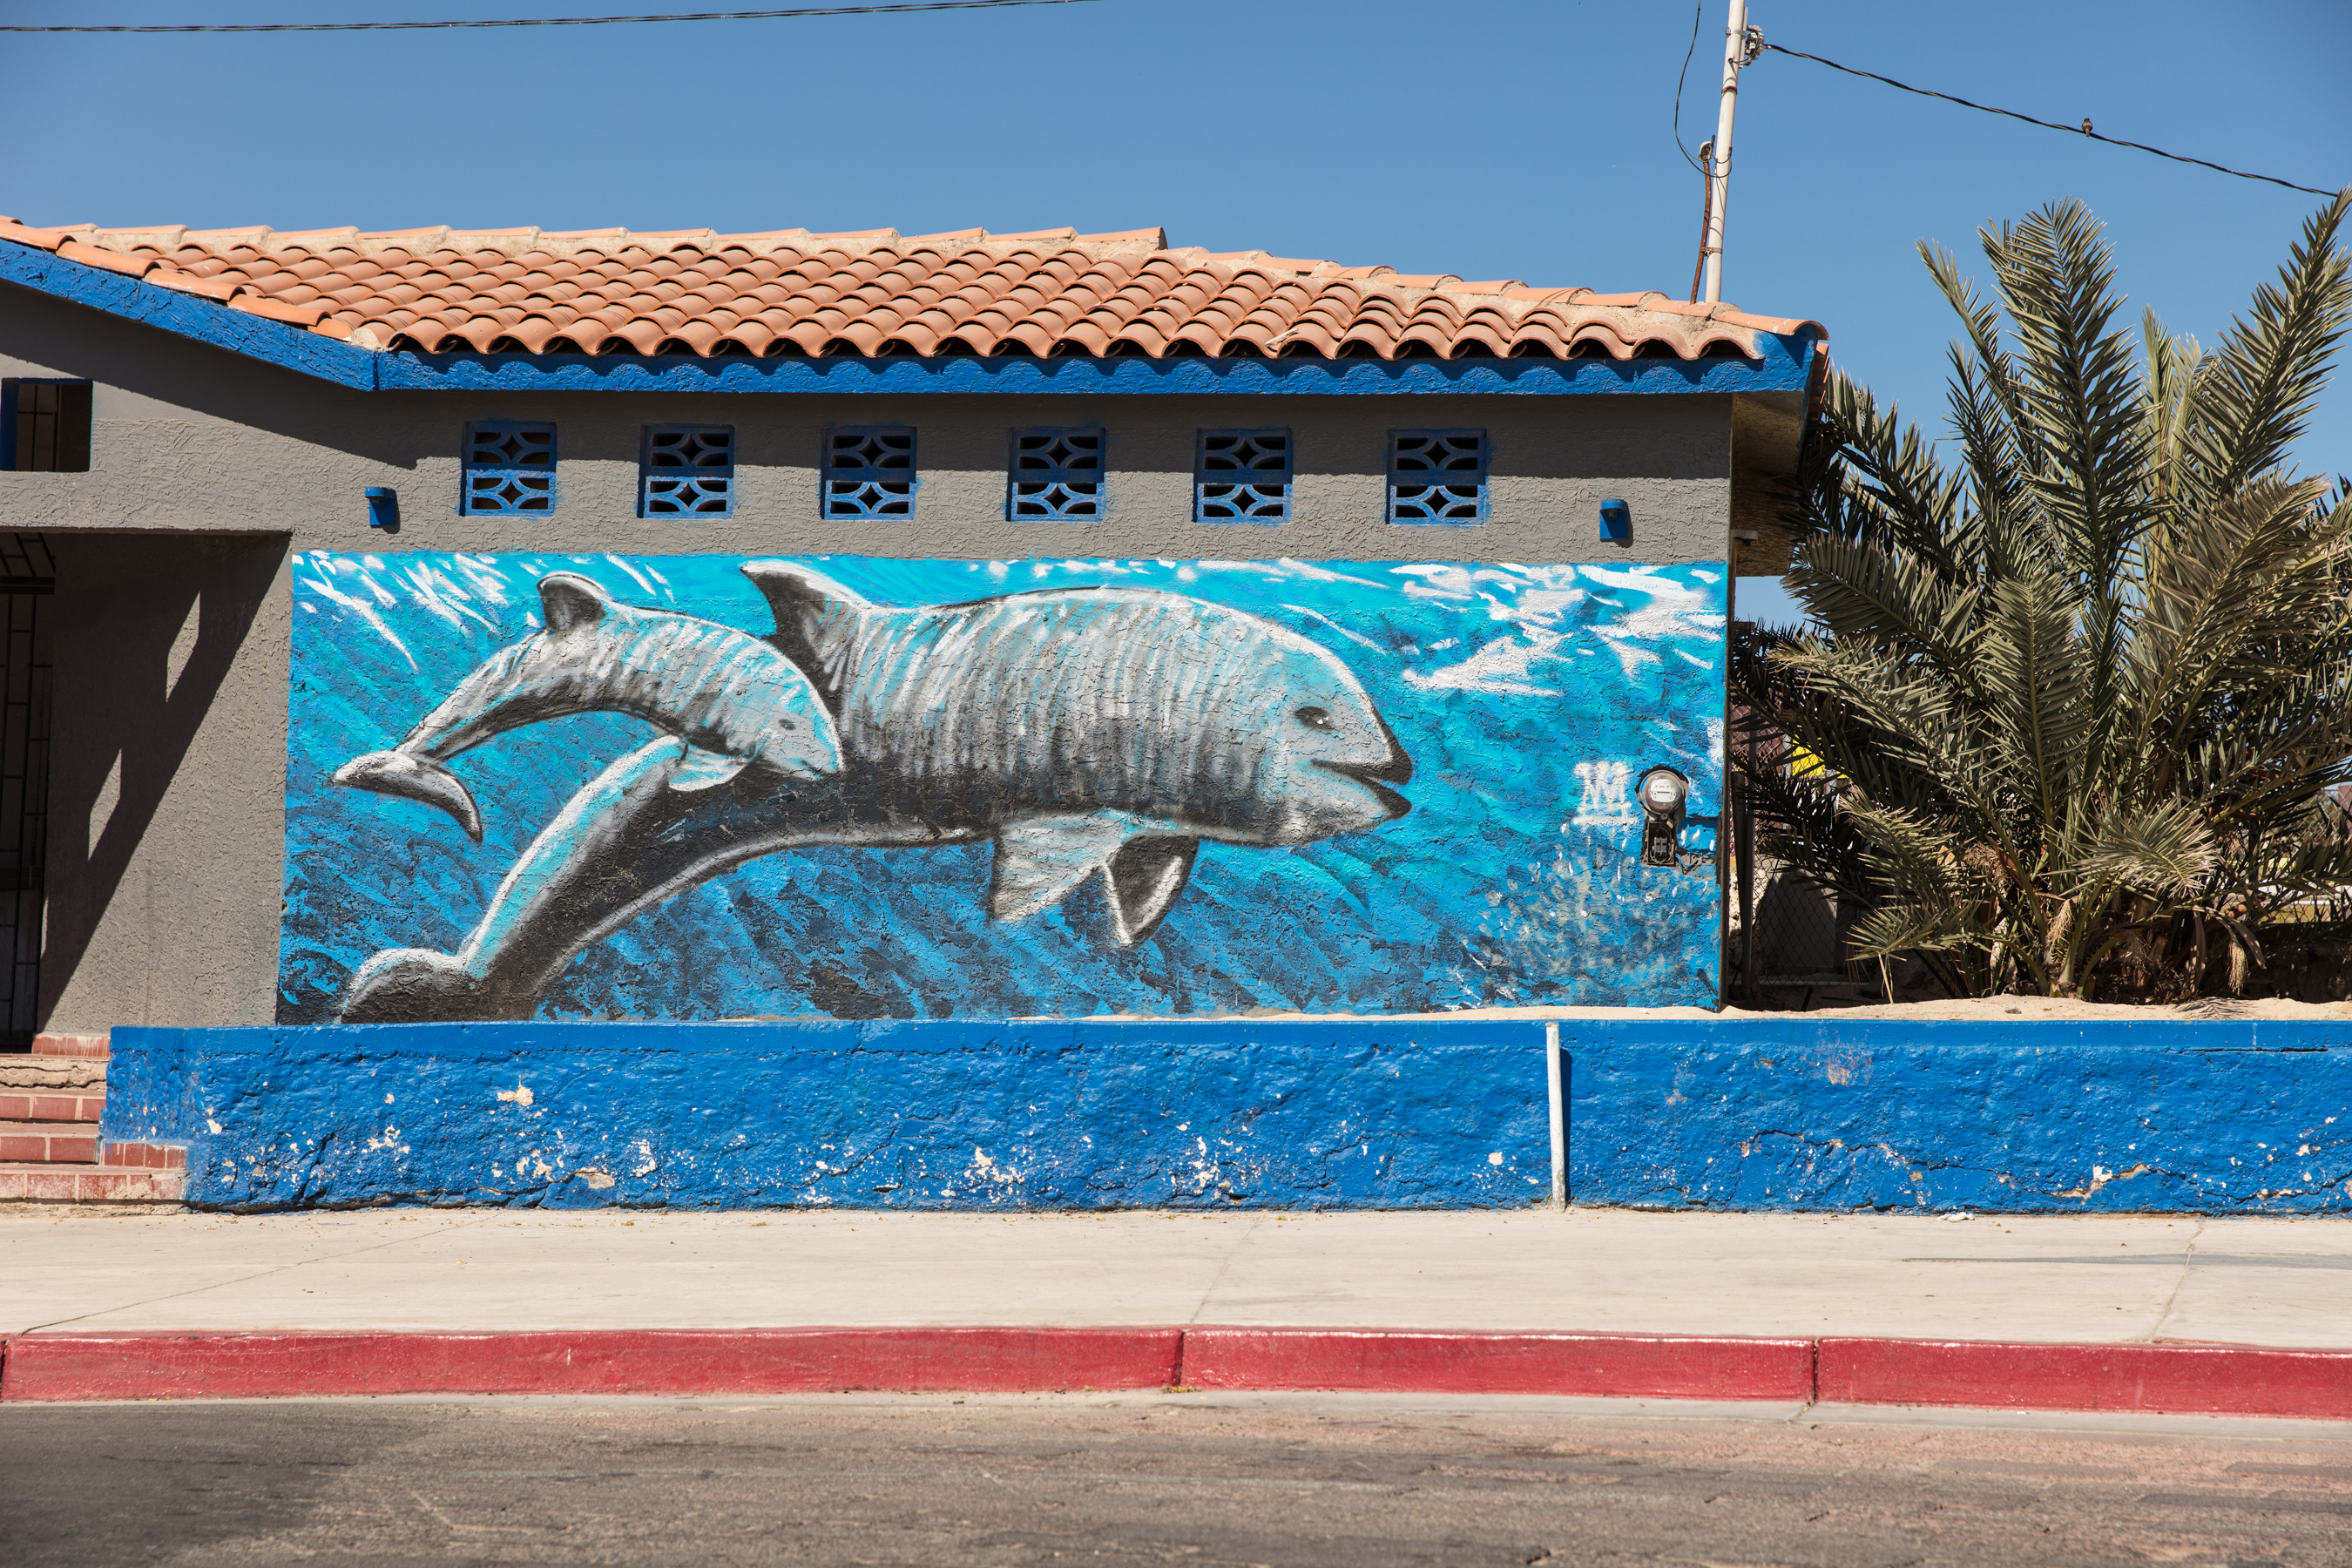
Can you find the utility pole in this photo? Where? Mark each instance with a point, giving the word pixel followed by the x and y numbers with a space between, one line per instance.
pixel 1739 46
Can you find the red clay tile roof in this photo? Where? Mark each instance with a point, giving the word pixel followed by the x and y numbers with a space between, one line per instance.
pixel 1053 291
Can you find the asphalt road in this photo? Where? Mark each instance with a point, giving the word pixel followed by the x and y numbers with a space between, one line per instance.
pixel 1165 1482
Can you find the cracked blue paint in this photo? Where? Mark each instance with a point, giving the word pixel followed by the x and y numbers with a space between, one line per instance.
pixel 1817 1115
pixel 1808 1114
pixel 930 1115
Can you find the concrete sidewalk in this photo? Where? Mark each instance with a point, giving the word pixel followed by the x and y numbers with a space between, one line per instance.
pixel 1457 1280
pixel 2088 1280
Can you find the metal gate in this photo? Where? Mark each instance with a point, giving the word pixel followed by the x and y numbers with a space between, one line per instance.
pixel 27 579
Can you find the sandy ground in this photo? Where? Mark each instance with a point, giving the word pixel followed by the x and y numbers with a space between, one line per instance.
pixel 2002 1008
pixel 1990 1009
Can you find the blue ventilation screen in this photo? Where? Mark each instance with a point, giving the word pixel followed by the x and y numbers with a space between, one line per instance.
pixel 688 470
pixel 869 471
pixel 1058 476
pixel 509 467
pixel 1437 476
pixel 1241 476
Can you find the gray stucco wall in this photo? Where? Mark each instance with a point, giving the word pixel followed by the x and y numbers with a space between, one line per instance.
pixel 165 871
pixel 167 779
pixel 194 437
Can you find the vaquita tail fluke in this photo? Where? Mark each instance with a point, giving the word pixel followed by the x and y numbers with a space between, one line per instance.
pixel 412 777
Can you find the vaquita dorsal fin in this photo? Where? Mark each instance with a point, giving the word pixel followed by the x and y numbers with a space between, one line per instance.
pixel 797 593
pixel 570 600
pixel 813 616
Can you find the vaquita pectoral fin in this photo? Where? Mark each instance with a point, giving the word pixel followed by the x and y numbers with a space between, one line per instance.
pixel 1040 860
pixel 417 778
pixel 1145 878
pixel 704 770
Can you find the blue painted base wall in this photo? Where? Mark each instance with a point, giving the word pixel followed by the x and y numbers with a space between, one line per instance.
pixel 882 1115
pixel 1820 1116
pixel 1805 1114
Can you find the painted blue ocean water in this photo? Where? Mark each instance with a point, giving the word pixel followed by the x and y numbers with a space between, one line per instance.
pixel 1528 698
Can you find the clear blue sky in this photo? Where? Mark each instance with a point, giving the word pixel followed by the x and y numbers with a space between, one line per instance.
pixel 1488 138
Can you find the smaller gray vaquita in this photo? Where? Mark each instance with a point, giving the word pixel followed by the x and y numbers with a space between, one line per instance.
pixel 731 697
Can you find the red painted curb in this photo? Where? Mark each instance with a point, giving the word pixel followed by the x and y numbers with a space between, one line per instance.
pixel 2230 1380
pixel 42 1367
pixel 1403 1361
pixel 2203 1380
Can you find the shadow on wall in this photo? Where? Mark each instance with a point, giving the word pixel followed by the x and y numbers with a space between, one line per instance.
pixel 148 628
pixel 76 340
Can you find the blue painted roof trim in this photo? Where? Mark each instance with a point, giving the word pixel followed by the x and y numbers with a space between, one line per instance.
pixel 191 316
pixel 1783 368
pixel 1785 365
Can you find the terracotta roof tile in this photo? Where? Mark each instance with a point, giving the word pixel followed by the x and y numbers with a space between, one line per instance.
pixel 875 292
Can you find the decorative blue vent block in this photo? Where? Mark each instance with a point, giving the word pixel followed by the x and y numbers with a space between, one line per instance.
pixel 1058 476
pixel 1241 476
pixel 869 471
pixel 687 471
pixel 509 467
pixel 1437 476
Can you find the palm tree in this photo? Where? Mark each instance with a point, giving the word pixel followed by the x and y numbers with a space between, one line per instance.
pixel 2080 691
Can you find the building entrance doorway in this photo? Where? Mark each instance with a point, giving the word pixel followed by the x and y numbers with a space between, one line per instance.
pixel 27 580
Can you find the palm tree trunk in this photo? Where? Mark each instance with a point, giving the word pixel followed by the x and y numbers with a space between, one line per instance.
pixel 2058 952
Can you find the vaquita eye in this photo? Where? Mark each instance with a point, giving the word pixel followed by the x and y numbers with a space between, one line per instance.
pixel 1314 718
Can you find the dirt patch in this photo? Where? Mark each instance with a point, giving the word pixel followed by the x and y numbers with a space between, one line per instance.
pixel 1983 1009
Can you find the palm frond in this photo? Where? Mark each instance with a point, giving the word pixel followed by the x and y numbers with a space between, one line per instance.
pixel 2257 388
pixel 2171 400
pixel 2084 689
pixel 2083 398
pixel 1893 929
pixel 2164 852
pixel 1885 595
pixel 2036 691
pixel 1883 482
pixel 2227 592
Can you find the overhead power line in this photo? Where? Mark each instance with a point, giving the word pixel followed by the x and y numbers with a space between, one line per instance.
pixel 1680 78
pixel 2082 130
pixel 563 21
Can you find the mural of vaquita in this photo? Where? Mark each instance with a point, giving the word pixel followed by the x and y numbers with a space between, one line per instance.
pixel 701 786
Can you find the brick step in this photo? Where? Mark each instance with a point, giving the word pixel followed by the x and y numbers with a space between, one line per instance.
pixel 70 1045
pixel 67 1104
pixel 145 1156
pixel 89 1185
pixel 78 1144
pixel 48 1143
